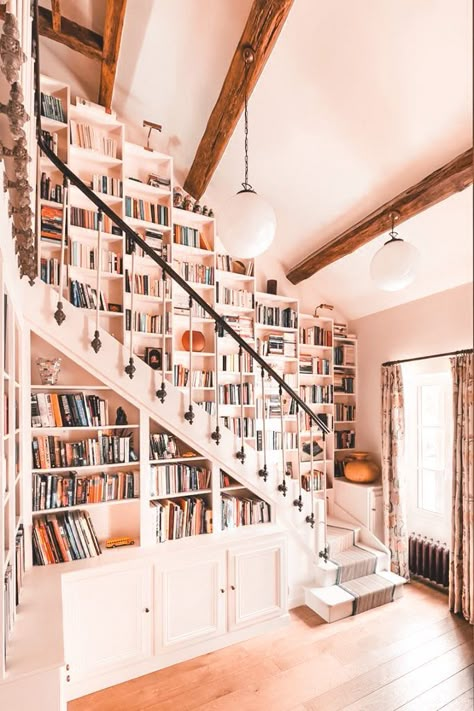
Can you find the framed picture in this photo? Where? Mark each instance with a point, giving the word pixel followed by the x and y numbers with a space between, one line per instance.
pixel 153 358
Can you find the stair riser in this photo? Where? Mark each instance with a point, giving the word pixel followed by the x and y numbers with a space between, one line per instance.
pixel 324 577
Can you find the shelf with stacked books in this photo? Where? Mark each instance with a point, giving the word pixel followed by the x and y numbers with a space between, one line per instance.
pixel 240 506
pixel 345 395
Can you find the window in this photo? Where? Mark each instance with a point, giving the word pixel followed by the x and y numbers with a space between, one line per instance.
pixel 431 447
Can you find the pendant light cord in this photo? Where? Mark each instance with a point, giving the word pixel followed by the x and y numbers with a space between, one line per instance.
pixel 248 59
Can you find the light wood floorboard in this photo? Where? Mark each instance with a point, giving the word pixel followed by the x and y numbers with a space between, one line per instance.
pixel 411 655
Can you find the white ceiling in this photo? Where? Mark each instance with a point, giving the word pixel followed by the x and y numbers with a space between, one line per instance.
pixel 358 101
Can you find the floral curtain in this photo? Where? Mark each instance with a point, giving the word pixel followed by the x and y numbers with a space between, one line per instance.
pixel 393 479
pixel 461 578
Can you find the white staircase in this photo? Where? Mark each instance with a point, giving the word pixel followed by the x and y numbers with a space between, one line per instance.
pixel 356 577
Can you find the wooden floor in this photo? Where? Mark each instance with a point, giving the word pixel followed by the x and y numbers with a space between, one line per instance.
pixel 411 655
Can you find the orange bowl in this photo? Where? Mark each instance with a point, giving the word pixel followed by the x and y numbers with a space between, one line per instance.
pixel 198 341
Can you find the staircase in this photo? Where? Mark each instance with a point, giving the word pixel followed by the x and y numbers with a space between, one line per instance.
pixel 355 578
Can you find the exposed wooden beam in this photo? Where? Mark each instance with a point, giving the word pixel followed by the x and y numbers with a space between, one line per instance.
pixel 261 31
pixel 451 178
pixel 113 26
pixel 56 10
pixel 72 35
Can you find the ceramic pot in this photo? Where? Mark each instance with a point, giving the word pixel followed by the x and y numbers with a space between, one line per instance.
pixel 360 469
pixel 198 341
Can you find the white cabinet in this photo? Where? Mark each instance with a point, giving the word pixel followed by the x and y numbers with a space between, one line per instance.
pixel 363 501
pixel 190 600
pixel 107 619
pixel 256 582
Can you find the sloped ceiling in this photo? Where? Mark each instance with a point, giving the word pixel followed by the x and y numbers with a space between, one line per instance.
pixel 358 101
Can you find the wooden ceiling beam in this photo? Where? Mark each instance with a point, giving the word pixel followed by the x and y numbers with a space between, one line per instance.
pixel 447 180
pixel 113 26
pixel 261 31
pixel 56 10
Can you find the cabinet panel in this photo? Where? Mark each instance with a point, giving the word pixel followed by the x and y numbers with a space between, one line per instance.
pixel 257 588
pixel 376 510
pixel 107 620
pixel 191 600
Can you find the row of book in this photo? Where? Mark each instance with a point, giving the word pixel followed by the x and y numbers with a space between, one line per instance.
pixel 209 406
pixel 155 239
pixel 180 518
pixel 189 236
pixel 163 446
pixel 51 224
pixel 87 257
pixel 148 211
pixel 274 440
pixel 230 363
pixel 88 136
pixel 181 306
pixel 243 325
pixel 194 272
pixel 59 538
pixel 243 511
pixel 89 219
pixel 49 271
pixel 275 316
pixel 344 412
pixel 316 394
pixel 52 107
pixel 226 480
pixel 50 140
pixel 341 331
pixel 309 365
pixel 343 383
pixel 225 263
pixel 316 336
pixel 339 467
pixel 240 426
pixel 49 190
pixel 326 417
pixel 169 479
pixel 147 322
pixel 344 439
pixel 200 378
pixel 290 379
pixel 234 297
pixel 273 408
pixel 146 285
pixel 314 481
pixel 68 410
pixel 107 185
pixel 53 492
pixel 12 584
pixel 278 344
pixel 236 394
pixel 344 356
pixel 83 296
pixel 51 452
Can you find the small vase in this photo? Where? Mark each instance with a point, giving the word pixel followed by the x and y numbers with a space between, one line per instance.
pixel 49 370
pixel 199 341
pixel 360 469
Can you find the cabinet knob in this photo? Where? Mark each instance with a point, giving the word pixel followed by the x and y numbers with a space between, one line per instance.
pixel 67 667
pixel 232 587
pixel 147 609
pixel 68 678
pixel 222 590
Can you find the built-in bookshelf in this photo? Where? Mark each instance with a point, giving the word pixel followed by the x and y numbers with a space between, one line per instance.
pixel 345 395
pixel 12 528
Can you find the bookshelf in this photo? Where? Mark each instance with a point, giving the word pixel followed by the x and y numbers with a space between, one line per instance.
pixel 12 541
pixel 345 395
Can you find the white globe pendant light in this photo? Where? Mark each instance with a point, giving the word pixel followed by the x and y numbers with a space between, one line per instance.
pixel 395 265
pixel 247 222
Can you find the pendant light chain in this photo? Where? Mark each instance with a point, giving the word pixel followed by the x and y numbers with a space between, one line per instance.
pixel 248 59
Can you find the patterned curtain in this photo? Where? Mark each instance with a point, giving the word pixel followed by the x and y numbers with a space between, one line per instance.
pixel 461 578
pixel 393 479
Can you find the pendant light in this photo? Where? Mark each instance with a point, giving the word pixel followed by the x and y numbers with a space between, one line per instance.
pixel 247 223
pixel 395 265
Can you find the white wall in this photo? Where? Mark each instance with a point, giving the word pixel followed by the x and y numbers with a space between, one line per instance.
pixel 436 324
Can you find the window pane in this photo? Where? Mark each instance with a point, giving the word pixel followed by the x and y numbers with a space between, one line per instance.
pixel 431 397
pixel 432 448
pixel 430 491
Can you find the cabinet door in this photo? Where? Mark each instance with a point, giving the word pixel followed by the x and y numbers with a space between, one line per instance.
pixel 107 620
pixel 376 513
pixel 191 600
pixel 257 583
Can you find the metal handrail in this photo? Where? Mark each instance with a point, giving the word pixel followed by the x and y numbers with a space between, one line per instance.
pixel 138 241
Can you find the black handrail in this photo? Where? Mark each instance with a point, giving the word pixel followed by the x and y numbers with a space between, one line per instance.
pixel 105 209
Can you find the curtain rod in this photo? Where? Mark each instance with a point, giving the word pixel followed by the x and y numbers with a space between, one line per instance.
pixel 435 355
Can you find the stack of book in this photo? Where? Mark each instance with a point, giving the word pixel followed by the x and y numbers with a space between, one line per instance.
pixel 201 378
pixel 50 452
pixel 238 511
pixel 196 273
pixel 189 236
pixel 148 211
pixel 234 297
pixel 344 355
pixel 52 107
pixel 236 394
pixel 316 336
pixel 53 492
pixel 344 439
pixel 107 185
pixel 343 383
pixel 147 322
pixel 275 316
pixel 163 446
pixel 273 409
pixel 167 479
pixel 59 538
pixel 49 190
pixel 278 344
pixel 87 136
pixel 83 296
pixel 180 518
pixel 344 412
pixel 243 325
pixel 49 271
pixel 318 481
pixel 310 365
pixel 68 410
pixel 51 224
